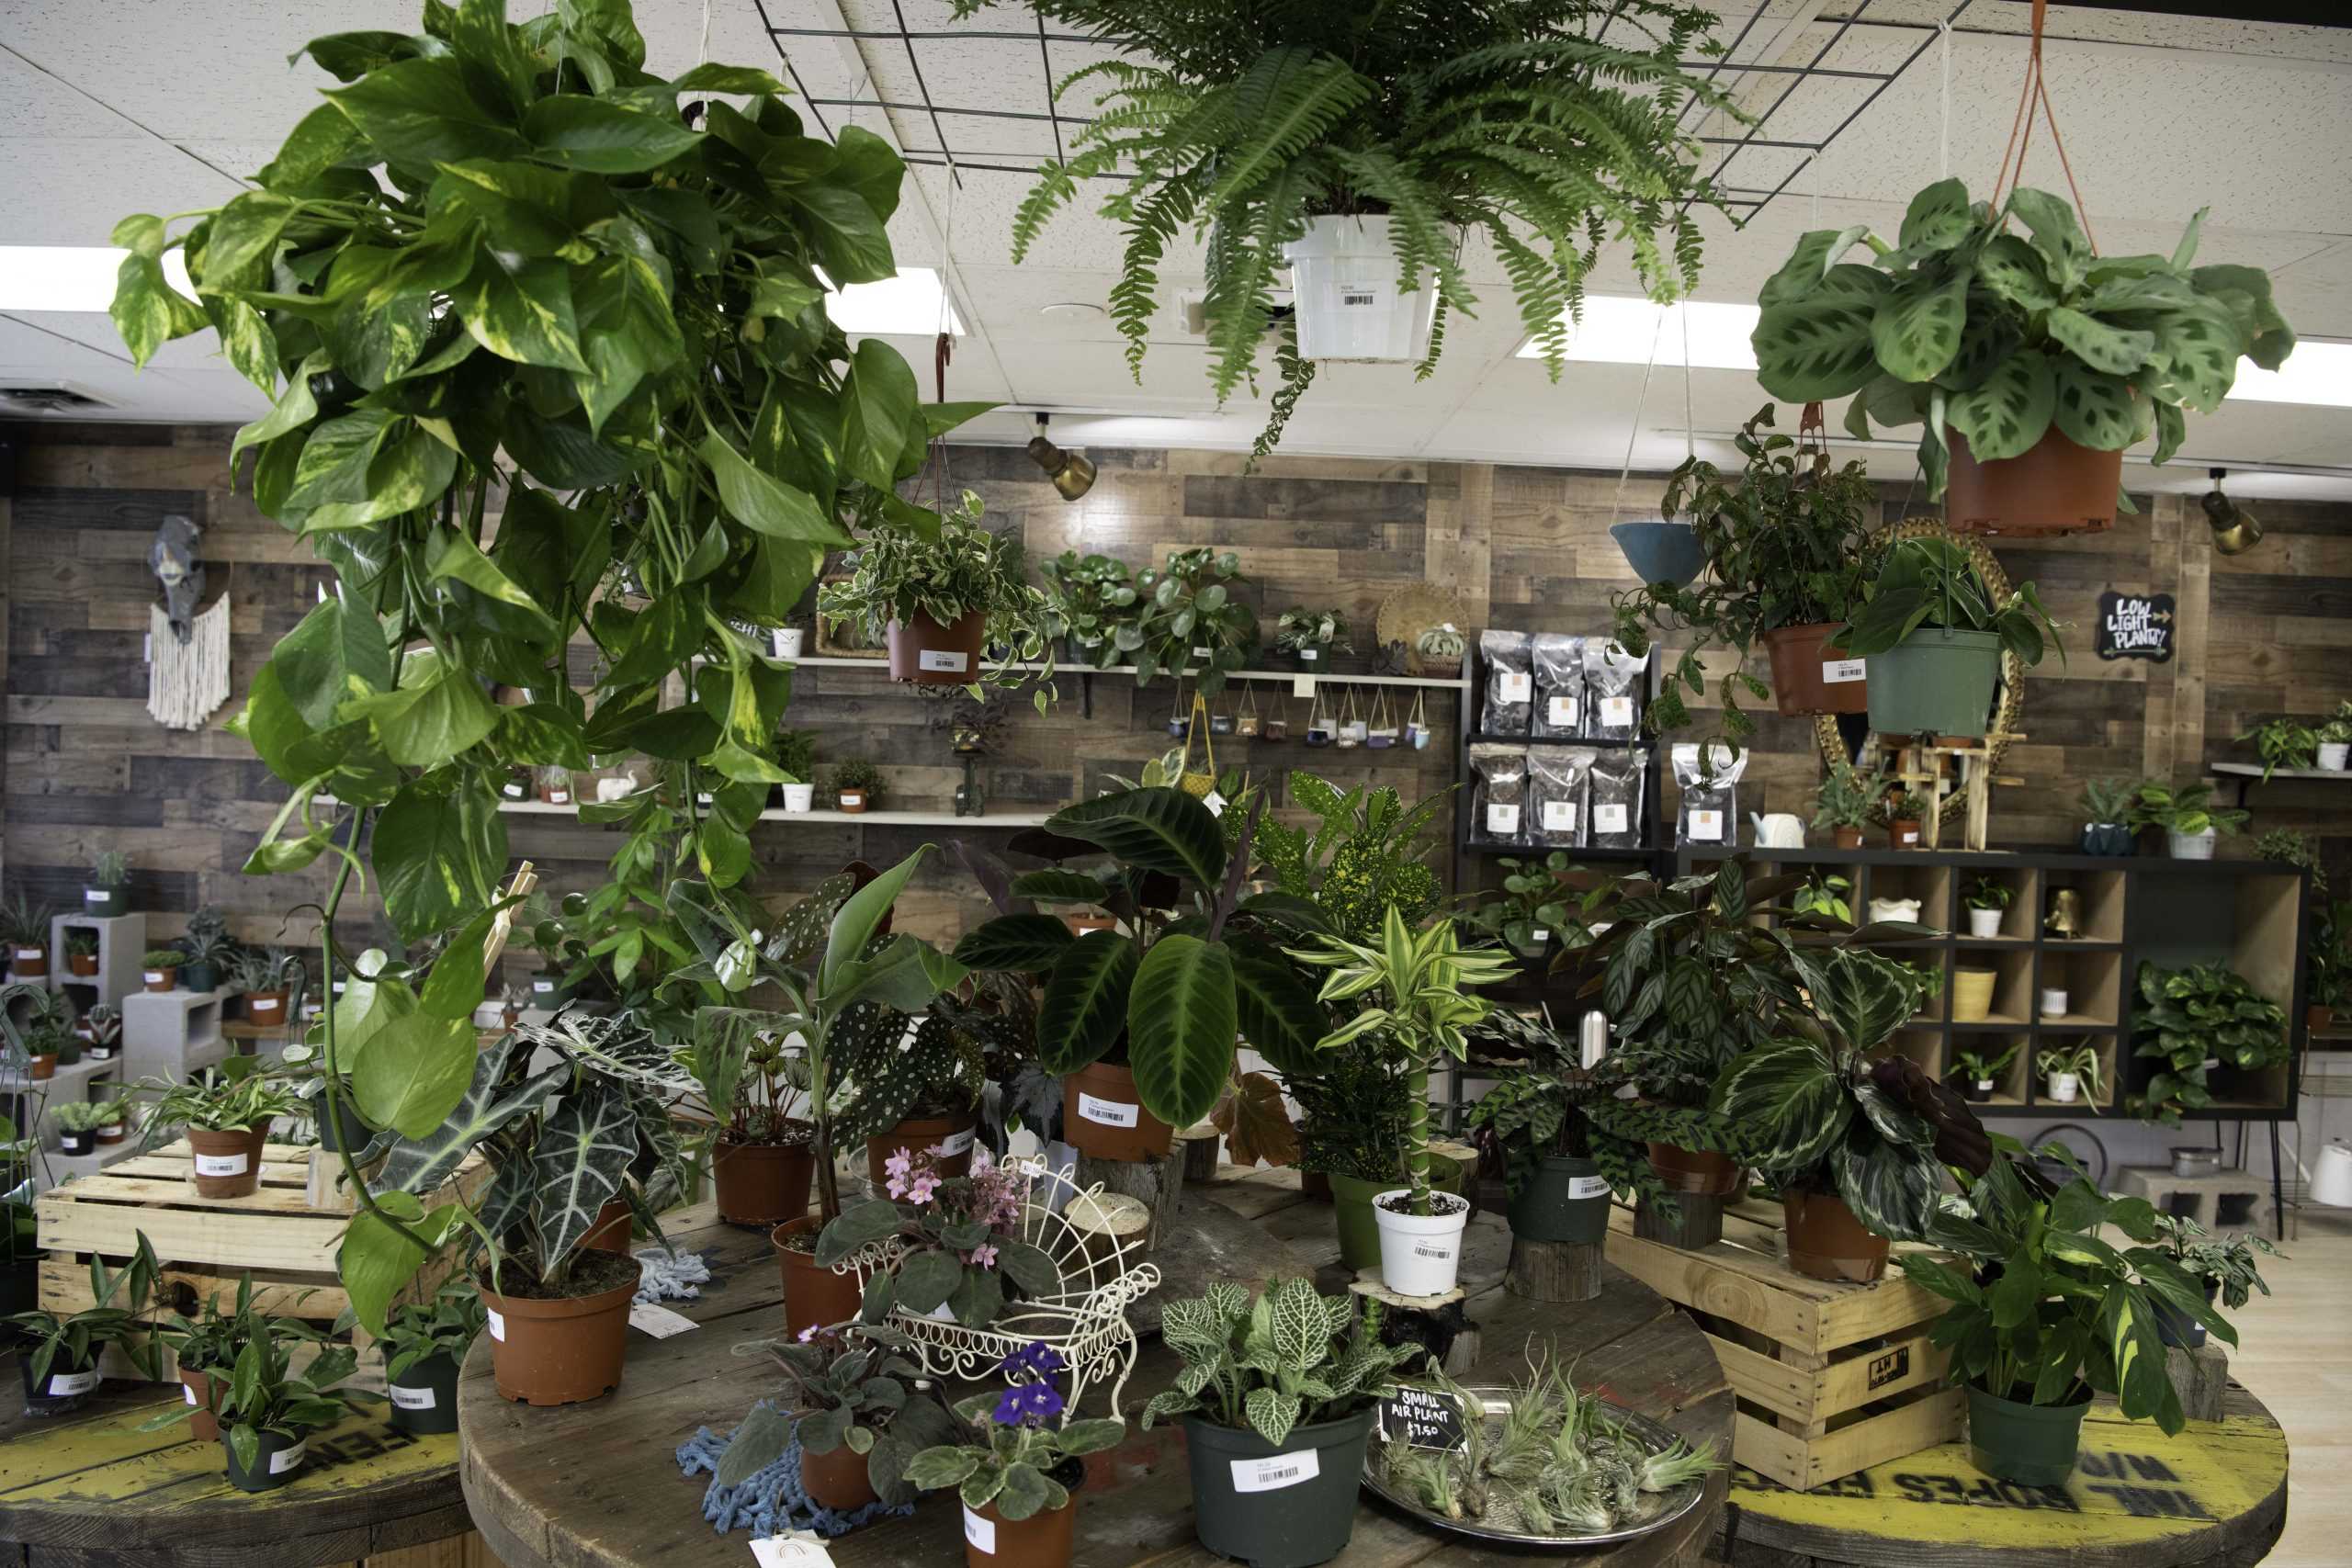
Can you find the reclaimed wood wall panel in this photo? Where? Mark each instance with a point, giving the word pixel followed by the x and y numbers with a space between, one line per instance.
pixel 1527 547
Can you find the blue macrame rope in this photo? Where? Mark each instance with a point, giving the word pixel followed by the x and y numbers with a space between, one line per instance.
pixel 770 1500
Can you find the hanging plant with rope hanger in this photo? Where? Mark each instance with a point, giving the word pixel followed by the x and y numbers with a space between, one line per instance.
pixel 2010 347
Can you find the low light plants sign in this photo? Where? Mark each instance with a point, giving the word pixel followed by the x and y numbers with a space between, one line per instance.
pixel 2136 626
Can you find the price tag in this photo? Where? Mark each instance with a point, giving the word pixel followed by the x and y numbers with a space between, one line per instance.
pixel 979 1534
pixel 1273 1474
pixel 1838 671
pixel 1708 824
pixel 1617 713
pixel 658 1320
pixel 62 1384
pixel 1204 654
pixel 559 797
pixel 285 1459
pixel 1309 654
pixel 1582 1187
pixel 223 1164
pixel 1109 1112
pixel 94 894
pixel 945 661
pixel 795 1549
pixel 1215 802
pixel 512 791
pixel 1515 686
pixel 954 1144
pixel 1559 815
pixel 1908 836
pixel 1609 818
pixel 1502 819
pixel 1422 1418
pixel 152 976
pixel 1363 295
pixel 542 988
pixel 404 1397
pixel 1560 711
pixel 497 1324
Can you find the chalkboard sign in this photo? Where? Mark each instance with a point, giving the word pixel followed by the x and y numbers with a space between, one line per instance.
pixel 2136 625
pixel 1422 1418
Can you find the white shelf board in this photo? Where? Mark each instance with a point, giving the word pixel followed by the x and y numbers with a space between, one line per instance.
pixel 1343 678
pixel 2254 770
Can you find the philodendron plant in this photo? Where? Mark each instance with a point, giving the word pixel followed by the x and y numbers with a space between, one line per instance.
pixel 2000 336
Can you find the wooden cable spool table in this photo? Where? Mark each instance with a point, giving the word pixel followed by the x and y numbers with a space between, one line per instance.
pixel 89 1490
pixel 595 1485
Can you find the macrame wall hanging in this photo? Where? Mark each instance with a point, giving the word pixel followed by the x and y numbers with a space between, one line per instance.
pixel 187 649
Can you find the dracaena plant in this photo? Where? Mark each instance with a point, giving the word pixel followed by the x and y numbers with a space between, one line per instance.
pixel 1292 1358
pixel 1508 118
pixel 2001 337
pixel 504 260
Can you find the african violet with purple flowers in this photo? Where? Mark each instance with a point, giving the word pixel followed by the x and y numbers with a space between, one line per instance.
pixel 1022 1444
pixel 850 1387
pixel 966 1233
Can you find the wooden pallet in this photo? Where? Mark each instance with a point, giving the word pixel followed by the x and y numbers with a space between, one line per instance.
pixel 1830 1378
pixel 275 1234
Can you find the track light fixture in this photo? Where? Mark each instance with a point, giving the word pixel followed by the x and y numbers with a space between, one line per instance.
pixel 1072 475
pixel 2234 528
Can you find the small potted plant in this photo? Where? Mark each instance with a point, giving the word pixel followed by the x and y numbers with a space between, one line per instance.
pixel 204 1350
pixel 48 1040
pixel 1087 605
pixel 57 1352
pixel 2284 743
pixel 858 1411
pixel 1988 897
pixel 940 591
pixel 1535 1116
pixel 2068 1071
pixel 161 968
pixel 2223 1268
pixel 2327 961
pixel 1277 1398
pixel 267 1411
pixel 227 1116
pixel 857 785
pixel 77 1124
pixel 208 949
pixel 1193 619
pixel 763 1157
pixel 966 1254
pixel 114 1120
pixel 1935 636
pixel 1440 650
pixel 269 978
pixel 2333 751
pixel 1842 806
pixel 1539 910
pixel 81 953
pixel 1311 635
pixel 2106 806
pixel 1907 815
pixel 108 891
pixel 1018 1482
pixel 1978 1073
pixel 920 1092
pixel 2207 1030
pixel 2187 816
pixel 555 785
pixel 23 926
pixel 795 753
pixel 425 1344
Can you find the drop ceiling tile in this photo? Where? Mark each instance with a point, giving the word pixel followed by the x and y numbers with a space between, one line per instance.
pixel 72 191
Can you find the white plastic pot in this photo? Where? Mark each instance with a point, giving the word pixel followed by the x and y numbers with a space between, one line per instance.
pixel 2335 755
pixel 799 798
pixel 2191 846
pixel 2053 1001
pixel 1984 922
pixel 2062 1087
pixel 1344 281
pixel 787 642
pixel 1421 1257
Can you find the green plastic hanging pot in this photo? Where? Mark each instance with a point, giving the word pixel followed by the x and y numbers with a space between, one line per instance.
pixel 1936 682
pixel 2035 1444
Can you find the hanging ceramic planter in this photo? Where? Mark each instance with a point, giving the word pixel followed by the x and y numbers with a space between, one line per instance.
pixel 2054 487
pixel 1344 285
pixel 1353 730
pixel 1810 678
pixel 1660 551
pixel 1382 733
pixel 1318 723
pixel 1248 724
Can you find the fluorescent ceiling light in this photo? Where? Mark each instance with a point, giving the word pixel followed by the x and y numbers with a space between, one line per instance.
pixel 1620 330
pixel 913 304
pixel 71 277
pixel 2317 373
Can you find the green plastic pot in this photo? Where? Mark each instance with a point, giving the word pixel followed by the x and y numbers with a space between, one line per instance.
pixel 1351 1199
pixel 1936 682
pixel 200 974
pixel 2035 1444
pixel 1566 1200
pixel 1276 1507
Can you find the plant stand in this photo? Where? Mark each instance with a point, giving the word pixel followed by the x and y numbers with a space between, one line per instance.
pixel 2202 1377
pixel 1156 1183
pixel 1440 1324
pixel 2201 1197
pixel 122 942
pixel 1695 1221
pixel 1200 1144
pixel 171 1035
pixel 1554 1270
pixel 1924 769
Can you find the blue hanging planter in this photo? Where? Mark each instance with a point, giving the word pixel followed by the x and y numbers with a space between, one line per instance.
pixel 1660 551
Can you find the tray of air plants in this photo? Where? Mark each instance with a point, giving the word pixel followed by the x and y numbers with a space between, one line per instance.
pixel 1535 1464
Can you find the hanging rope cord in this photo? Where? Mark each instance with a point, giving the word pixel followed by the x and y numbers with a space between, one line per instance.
pixel 2036 93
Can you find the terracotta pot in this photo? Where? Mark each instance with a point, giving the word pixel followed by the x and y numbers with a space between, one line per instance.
pixel 82 962
pixel 762 1184
pixel 160 979
pixel 813 1294
pixel 2055 488
pixel 227 1164
pixel 610 1232
pixel 1827 1241
pixel 28 963
pixel 202 1390
pixel 1903 833
pixel 265 1007
pixel 1044 1539
pixel 559 1352
pixel 1315 1186
pixel 1846 838
pixel 838 1480
pixel 1700 1171
pixel 852 802
pixel 924 651
pixel 112 1132
pixel 1103 1115
pixel 917 1134
pixel 1808 678
pixel 44 1067
pixel 2317 1019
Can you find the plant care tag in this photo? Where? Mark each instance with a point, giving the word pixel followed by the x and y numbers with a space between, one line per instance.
pixel 944 661
pixel 542 988
pixel 1617 713
pixel 1273 1474
pixel 94 894
pixel 795 1549
pixel 658 1320
pixel 285 1459
pixel 62 1384
pixel 1838 671
pixel 404 1397
pixel 224 1164
pixel 1609 818
pixel 1215 802
pixel 559 797
pixel 1502 819
pixel 1204 654
pixel 1309 654
pixel 511 790
pixel 1422 1418
pixel 1908 836
pixel 1708 824
pixel 1583 1187
pixel 1559 815
pixel 1109 1112
pixel 153 976
pixel 954 1143
pixel 497 1324
pixel 1515 686
pixel 1560 712
pixel 979 1534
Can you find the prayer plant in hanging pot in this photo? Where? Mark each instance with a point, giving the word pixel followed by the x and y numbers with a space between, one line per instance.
pixel 2033 361
pixel 1358 147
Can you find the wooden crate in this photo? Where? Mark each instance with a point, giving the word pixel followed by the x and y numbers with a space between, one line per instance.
pixel 1830 1378
pixel 276 1233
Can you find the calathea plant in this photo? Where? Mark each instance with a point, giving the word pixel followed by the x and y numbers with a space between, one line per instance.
pixel 2000 337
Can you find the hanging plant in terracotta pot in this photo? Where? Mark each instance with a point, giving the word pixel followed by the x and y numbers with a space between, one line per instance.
pixel 940 597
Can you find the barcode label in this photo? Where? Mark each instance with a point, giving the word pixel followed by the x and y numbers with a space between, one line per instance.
pixel 1502 819
pixel 543 987
pixel 947 661
pixel 285 1459
pixel 64 1385
pixel 1559 815
pixel 1109 1112
pixel 1273 1474
pixel 1436 1250
pixel 1359 299
pixel 513 791
pixel 94 894
pixel 955 1142
pixel 405 1398
pixel 1908 836
pixel 979 1534
pixel 1609 818
pixel 1310 654
pixel 223 1164
pixel 1838 671
pixel 154 976
pixel 1617 713
pixel 1707 825
pixel 1515 686
pixel 1581 1187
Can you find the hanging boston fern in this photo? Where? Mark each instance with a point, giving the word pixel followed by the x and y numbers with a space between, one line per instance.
pixel 1360 143
pixel 500 271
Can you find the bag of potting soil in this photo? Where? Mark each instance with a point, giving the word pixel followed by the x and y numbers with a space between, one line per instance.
pixel 1498 800
pixel 1558 659
pixel 1614 786
pixel 1556 778
pixel 1511 684
pixel 1709 813
pixel 1612 690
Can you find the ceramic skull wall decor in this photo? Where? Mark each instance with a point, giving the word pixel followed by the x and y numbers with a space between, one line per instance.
pixel 172 557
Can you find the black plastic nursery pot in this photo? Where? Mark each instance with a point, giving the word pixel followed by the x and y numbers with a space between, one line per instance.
pixel 1566 1200
pixel 2174 1326
pixel 72 1141
pixel 105 903
pixel 425 1398
pixel 345 1129
pixel 277 1460
pixel 2106 839
pixel 65 1388
pixel 1276 1507
pixel 2035 1444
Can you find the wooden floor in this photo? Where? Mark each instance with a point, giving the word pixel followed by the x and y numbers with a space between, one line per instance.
pixel 2296 1357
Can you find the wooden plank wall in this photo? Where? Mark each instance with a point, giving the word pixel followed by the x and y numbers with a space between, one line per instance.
pixel 86 769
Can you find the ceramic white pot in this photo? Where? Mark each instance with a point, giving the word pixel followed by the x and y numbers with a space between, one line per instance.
pixel 799 798
pixel 2191 846
pixel 2335 755
pixel 1421 1257
pixel 2062 1087
pixel 787 642
pixel 2053 1001
pixel 1984 922
pixel 1895 909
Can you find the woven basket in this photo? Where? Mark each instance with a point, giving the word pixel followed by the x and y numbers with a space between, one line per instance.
pixel 1405 615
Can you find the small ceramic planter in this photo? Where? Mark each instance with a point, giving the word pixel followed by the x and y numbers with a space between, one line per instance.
pixel 2061 1089
pixel 1984 922
pixel 2334 755
pixel 2053 1001
pixel 1971 994
pixel 1420 1254
pixel 2191 846
pixel 852 802
pixel 788 640
pixel 800 798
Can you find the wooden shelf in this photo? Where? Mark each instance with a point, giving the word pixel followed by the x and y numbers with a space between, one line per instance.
pixel 1337 678
pixel 2254 770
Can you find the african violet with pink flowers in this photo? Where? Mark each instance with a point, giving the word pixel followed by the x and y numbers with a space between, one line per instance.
pixel 970 1255
pixel 1020 1447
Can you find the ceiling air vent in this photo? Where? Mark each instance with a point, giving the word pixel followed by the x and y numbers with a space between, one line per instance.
pixel 51 397
pixel 1189 309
